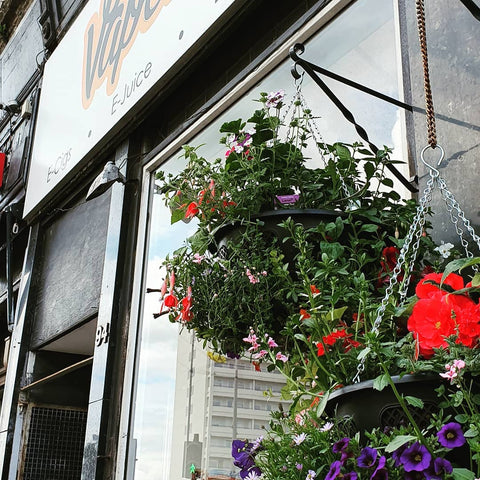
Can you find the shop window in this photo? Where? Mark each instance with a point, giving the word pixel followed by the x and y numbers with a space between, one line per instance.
pixel 367 55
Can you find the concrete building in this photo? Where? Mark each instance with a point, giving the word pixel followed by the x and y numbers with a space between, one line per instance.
pixel 89 379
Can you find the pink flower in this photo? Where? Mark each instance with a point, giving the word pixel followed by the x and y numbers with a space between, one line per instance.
pixel 253 279
pixel 281 357
pixel 271 342
pixel 452 370
pixel 197 258
pixel 260 354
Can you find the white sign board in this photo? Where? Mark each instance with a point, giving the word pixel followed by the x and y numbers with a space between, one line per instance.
pixel 110 58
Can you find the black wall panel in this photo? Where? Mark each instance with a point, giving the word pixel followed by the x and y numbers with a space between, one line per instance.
pixel 69 274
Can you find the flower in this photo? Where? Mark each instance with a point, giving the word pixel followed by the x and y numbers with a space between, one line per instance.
pixel 444 249
pixel 298 439
pixel 341 445
pixel 451 435
pixel 367 457
pixel 310 475
pixel 334 470
pixel 415 458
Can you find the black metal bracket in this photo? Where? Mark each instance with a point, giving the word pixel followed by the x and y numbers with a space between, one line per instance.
pixel 311 69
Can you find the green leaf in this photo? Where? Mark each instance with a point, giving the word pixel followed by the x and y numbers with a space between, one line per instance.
pixel 463 474
pixel 397 442
pixel 471 433
pixel 177 215
pixel 363 353
pixel 462 418
pixel 388 182
pixel 369 227
pixel 459 265
pixel 381 382
pixel 323 403
pixel 476 280
pixel 414 401
pixel 369 169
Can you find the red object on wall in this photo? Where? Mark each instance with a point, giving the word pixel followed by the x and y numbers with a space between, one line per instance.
pixel 2 167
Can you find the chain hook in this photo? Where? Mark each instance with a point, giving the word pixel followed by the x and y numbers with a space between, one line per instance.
pixel 298 81
pixel 433 171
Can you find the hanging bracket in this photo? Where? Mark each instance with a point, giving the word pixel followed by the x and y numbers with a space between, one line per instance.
pixel 312 69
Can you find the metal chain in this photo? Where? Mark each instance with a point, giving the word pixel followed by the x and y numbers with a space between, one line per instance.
pixel 319 141
pixel 416 229
pixel 422 34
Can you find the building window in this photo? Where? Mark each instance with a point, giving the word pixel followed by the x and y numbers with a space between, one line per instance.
pixel 367 55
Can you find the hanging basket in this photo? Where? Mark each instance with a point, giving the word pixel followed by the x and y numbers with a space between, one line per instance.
pixel 269 224
pixel 368 408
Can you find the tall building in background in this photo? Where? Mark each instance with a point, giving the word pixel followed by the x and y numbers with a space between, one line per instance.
pixel 215 403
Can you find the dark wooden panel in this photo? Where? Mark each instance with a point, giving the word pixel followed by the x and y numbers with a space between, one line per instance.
pixel 69 275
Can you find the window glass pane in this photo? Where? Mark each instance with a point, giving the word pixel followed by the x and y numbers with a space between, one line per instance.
pixel 188 408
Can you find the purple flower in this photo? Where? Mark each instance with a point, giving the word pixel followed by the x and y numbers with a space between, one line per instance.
pixel 397 454
pixel 380 472
pixel 334 470
pixel 438 469
pixel 241 454
pixel 367 457
pixel 442 466
pixel 415 458
pixel 451 435
pixel 350 476
pixel 341 445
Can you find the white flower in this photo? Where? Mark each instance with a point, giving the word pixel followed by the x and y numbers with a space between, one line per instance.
pixel 252 476
pixel 269 143
pixel 311 475
pixel 444 249
pixel 328 426
pixel 298 439
pixel 231 140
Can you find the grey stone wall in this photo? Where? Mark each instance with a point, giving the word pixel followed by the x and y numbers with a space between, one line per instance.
pixel 453 37
pixel 19 57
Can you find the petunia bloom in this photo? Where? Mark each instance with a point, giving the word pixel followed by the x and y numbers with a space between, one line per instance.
pixel 341 445
pixel 415 458
pixel 334 470
pixel 451 435
pixel 367 457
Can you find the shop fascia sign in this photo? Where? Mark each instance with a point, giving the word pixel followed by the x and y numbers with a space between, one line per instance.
pixel 108 63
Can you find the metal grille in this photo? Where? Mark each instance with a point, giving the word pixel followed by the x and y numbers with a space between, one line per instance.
pixel 394 416
pixel 54 449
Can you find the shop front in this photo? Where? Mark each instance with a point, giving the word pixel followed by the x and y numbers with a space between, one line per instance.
pixel 126 88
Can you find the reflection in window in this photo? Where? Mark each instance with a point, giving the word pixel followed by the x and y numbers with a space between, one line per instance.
pixel 182 412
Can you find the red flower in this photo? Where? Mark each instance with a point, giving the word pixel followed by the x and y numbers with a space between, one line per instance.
pixel 192 210
pixel 431 323
pixel 304 314
pixel 320 349
pixel 348 344
pixel 186 313
pixel 441 315
pixel 428 290
pixel 469 324
pixel 170 300
pixel 387 264
pixel 314 289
